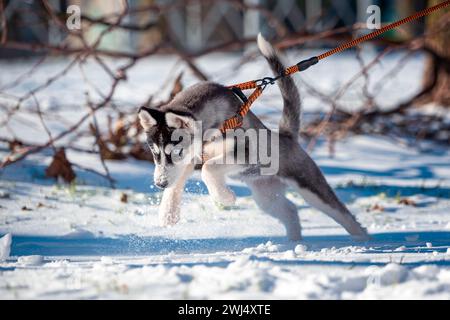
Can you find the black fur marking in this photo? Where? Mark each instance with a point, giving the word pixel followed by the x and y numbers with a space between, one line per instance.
pixel 161 133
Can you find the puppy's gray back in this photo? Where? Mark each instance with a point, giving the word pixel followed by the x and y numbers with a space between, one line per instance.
pixel 208 102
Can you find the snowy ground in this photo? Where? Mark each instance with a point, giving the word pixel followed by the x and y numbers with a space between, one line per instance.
pixel 81 241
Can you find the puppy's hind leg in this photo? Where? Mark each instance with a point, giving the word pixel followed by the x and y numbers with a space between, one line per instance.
pixel 337 211
pixel 316 191
pixel 268 193
pixel 312 186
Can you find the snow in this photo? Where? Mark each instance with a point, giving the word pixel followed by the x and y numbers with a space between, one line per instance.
pixel 5 247
pixel 33 260
pixel 82 242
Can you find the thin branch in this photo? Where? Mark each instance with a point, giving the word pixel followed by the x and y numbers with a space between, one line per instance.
pixel 47 130
pixel 3 24
pixel 97 137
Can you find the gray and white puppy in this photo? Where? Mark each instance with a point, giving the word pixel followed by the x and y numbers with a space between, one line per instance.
pixel 211 104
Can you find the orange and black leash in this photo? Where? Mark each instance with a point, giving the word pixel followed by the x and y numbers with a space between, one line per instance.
pixel 260 84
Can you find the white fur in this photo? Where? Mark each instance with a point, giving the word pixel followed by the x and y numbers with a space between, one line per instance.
pixel 169 209
pixel 215 170
pixel 146 120
pixel 218 188
pixel 168 149
pixel 176 121
pixel 265 47
pixel 268 194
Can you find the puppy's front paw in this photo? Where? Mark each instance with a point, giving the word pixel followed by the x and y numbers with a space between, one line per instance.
pixel 225 198
pixel 168 217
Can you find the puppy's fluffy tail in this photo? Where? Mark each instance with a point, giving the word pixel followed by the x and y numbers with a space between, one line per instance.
pixel 290 120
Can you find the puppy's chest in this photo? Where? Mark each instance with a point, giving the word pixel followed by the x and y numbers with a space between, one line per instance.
pixel 218 148
pixel 224 152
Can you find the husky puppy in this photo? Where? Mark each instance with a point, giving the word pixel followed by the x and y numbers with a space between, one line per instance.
pixel 211 104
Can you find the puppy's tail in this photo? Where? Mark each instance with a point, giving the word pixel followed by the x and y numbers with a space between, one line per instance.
pixel 290 120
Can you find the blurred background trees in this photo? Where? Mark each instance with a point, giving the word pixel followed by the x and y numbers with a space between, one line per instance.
pixel 196 25
pixel 437 75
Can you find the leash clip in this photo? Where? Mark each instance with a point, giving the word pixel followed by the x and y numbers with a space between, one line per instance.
pixel 265 81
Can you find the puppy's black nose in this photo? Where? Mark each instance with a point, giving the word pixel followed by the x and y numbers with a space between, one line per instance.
pixel 162 184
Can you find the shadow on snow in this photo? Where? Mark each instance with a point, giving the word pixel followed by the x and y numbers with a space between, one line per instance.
pixel 413 242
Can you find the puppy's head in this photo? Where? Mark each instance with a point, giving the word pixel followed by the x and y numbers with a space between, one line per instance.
pixel 169 137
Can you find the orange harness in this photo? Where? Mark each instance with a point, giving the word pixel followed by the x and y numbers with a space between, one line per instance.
pixel 260 84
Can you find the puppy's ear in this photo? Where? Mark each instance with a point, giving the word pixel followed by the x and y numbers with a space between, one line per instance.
pixel 148 117
pixel 177 121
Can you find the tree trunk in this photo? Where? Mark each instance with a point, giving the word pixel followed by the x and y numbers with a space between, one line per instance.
pixel 436 82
